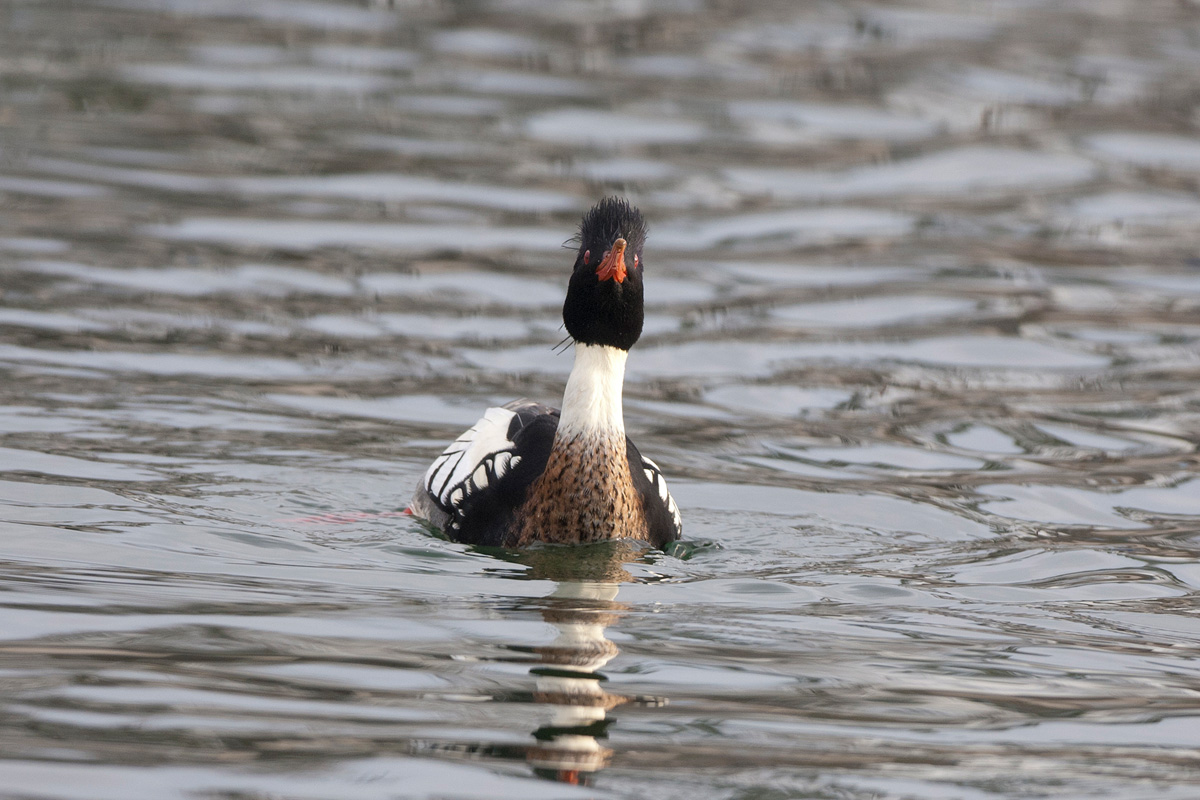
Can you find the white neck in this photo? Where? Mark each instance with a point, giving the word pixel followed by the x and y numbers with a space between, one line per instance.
pixel 592 401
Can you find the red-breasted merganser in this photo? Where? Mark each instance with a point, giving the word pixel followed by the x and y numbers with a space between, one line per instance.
pixel 527 472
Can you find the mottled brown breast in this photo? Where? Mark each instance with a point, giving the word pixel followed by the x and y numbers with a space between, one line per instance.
pixel 585 494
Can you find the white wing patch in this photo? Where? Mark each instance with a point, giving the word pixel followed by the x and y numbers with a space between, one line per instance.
pixel 473 461
pixel 654 474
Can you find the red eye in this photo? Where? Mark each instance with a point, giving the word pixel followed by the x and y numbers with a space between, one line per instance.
pixel 587 256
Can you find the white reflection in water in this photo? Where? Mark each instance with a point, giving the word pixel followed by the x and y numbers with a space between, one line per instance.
pixel 889 456
pixel 41 187
pixel 485 42
pixel 954 172
pixel 1149 149
pixel 165 363
pixel 567 748
pixel 830 121
pixel 765 358
pixel 801 274
pixel 310 13
pixel 293 79
pixel 633 170
pixel 1143 208
pixel 48 319
pixel 429 409
pixel 421 326
pixel 29 244
pixel 1070 506
pixel 997 85
pixel 983 439
pixel 587 127
pixel 292 234
pixel 869 511
pixel 413 146
pixel 471 287
pixel 367 186
pixel 1085 438
pixel 776 400
pixel 801 227
pixel 406 188
pixel 13 460
pixel 684 67
pixel 874 311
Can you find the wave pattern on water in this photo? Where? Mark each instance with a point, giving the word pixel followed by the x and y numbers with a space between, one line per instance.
pixel 921 357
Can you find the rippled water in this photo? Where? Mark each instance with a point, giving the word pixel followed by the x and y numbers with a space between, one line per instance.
pixel 921 364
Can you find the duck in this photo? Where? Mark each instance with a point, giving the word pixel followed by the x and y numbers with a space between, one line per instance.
pixel 528 473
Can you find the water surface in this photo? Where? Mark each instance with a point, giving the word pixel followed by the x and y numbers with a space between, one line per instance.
pixel 920 364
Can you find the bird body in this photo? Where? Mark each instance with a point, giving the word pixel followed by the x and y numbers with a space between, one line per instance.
pixel 527 473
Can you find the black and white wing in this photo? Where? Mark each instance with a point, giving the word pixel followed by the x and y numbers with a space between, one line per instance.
pixel 666 524
pixel 470 473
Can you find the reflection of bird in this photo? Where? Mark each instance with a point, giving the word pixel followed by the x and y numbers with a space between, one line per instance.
pixel 567 748
pixel 527 472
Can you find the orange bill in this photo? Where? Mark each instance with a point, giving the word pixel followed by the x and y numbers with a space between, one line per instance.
pixel 613 265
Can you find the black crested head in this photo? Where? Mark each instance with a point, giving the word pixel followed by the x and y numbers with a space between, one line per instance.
pixel 604 298
pixel 610 219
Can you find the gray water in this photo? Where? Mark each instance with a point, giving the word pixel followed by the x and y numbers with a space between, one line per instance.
pixel 920 364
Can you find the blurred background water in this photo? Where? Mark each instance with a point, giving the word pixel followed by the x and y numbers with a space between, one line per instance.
pixel 920 362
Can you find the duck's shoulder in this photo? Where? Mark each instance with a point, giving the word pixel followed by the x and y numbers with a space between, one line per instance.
pixel 471 488
pixel 529 412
